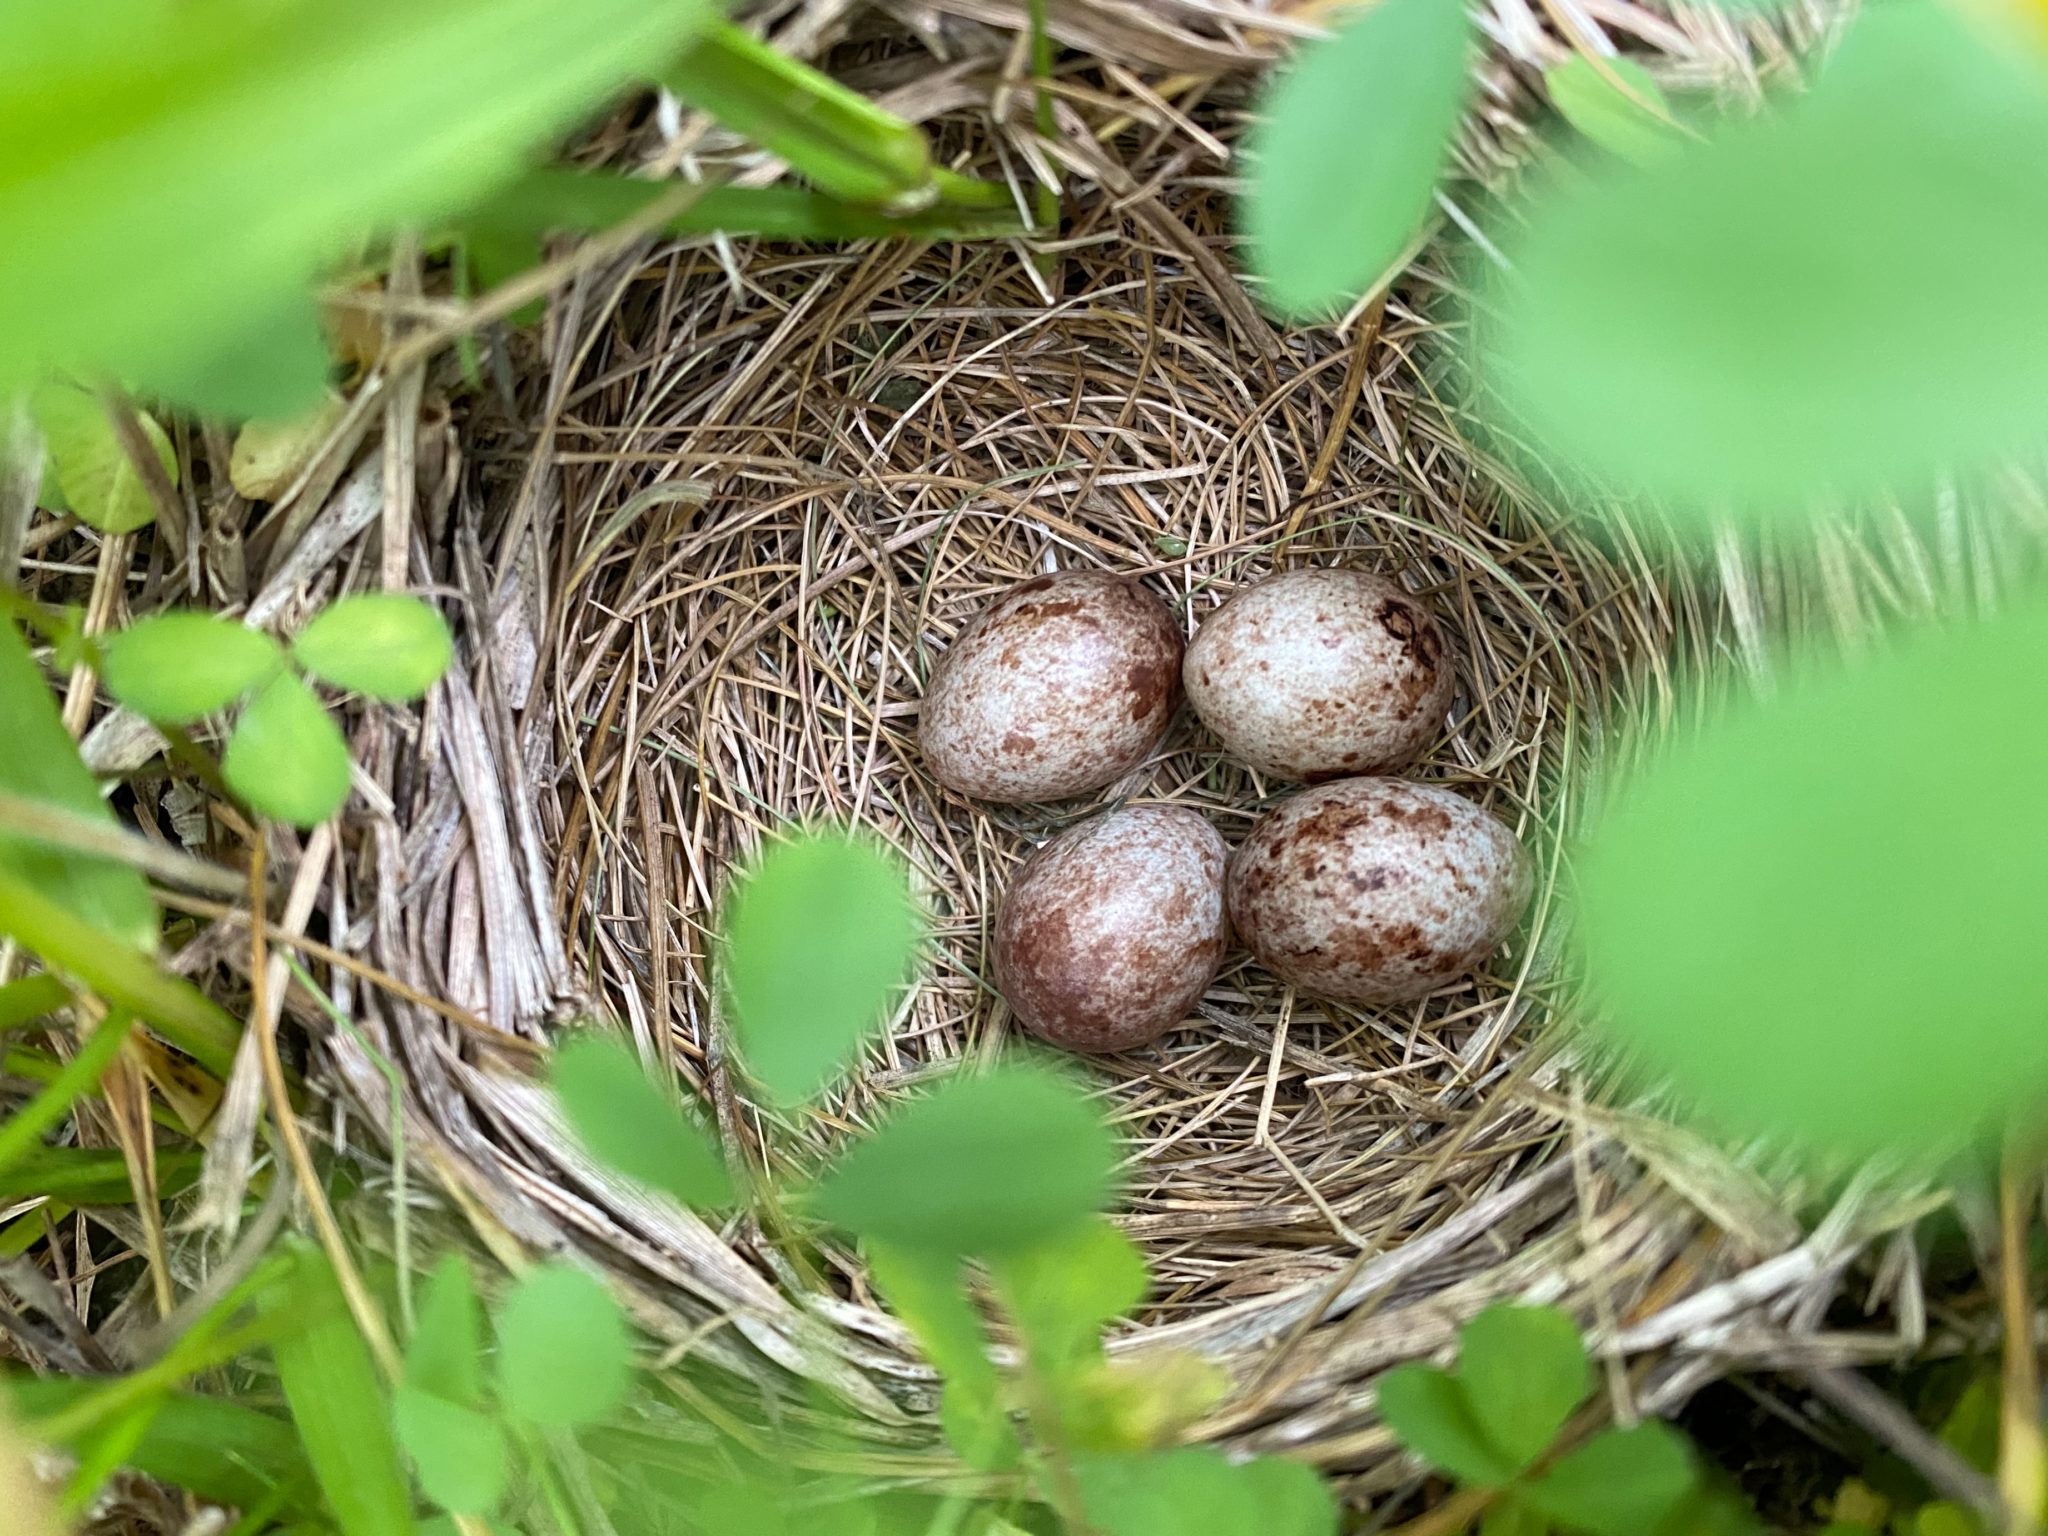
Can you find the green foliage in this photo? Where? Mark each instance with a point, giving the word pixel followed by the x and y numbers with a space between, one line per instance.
pixel 287 757
pixel 924 1290
pixel 390 647
pixel 1622 1482
pixel 629 1123
pixel 252 143
pixel 271 365
pixel 1775 913
pixel 1195 1491
pixel 39 762
pixel 988 1165
pixel 1634 123
pixel 86 458
pixel 1524 1370
pixel 338 1407
pixel 564 1356
pixel 458 1453
pixel 835 137
pixel 1729 333
pixel 22 1131
pixel 444 1356
pixel 817 938
pixel 1521 1372
pixel 30 998
pixel 1356 133
pixel 178 666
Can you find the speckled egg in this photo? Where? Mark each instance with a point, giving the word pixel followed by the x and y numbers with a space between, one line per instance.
pixel 1322 673
pixel 1062 685
pixel 1112 930
pixel 1376 890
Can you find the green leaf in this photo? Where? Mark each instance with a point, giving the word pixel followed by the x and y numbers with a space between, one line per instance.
pixel 1808 921
pixel 443 1356
pixel 338 1407
pixel 274 366
pixel 1060 1292
pixel 818 936
pixel 38 761
pixel 93 1176
pixel 1429 1410
pixel 564 1356
pixel 1728 332
pixel 1509 1516
pixel 165 180
pixel 1972 1426
pixel 1195 1491
pixel 179 666
pixel 1635 124
pixel 1622 1482
pixel 1347 159
pixel 458 1452
pixel 629 1123
pixel 287 757
pixel 91 467
pixel 1945 1518
pixel 30 998
pixel 987 1164
pixel 388 646
pixel 1524 1370
pixel 216 1448
pixel 925 1291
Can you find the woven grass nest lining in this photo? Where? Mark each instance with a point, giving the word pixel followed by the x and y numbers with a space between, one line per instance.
pixel 752 493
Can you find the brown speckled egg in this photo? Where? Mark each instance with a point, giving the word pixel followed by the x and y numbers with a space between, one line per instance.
pixel 1113 929
pixel 1062 685
pixel 1376 890
pixel 1322 673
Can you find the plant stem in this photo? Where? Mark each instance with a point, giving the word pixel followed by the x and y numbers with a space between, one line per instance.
pixel 2022 1456
pixel 1048 199
pixel 1901 1432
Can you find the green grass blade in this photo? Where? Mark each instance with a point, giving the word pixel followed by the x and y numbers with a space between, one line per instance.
pixel 833 137
pixel 22 1133
pixel 31 998
pixel 92 1175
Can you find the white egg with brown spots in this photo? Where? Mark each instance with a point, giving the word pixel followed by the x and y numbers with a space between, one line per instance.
pixel 1062 685
pixel 1112 931
pixel 1323 673
pixel 1376 890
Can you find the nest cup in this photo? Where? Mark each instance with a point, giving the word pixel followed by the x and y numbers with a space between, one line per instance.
pixel 750 493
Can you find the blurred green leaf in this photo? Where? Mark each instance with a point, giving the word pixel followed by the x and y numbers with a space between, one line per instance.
pixel 1808 920
pixel 564 1356
pixel 1509 1516
pixel 177 666
pixel 818 936
pixel 926 1291
pixel 38 761
pixel 287 757
pixel 1972 1425
pixel 458 1452
pixel 989 1164
pixel 30 998
pixel 1195 1491
pixel 1524 1370
pixel 1429 1410
pixel 23 1129
pixel 1634 124
pixel 219 1449
pixel 331 1384
pixel 1060 1292
pixel 1946 1519
pixel 1622 1482
pixel 1732 331
pixel 444 1354
pixel 384 644
pixel 629 1123
pixel 91 467
pixel 188 128
pixel 1346 161
pixel 275 365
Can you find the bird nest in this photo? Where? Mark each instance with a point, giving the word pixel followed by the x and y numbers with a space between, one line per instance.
pixel 704 541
